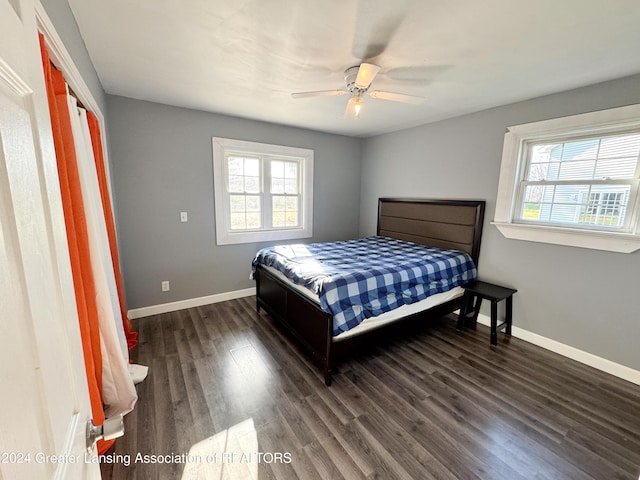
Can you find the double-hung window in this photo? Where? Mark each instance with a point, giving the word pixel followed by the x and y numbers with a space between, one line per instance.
pixel 573 181
pixel 263 192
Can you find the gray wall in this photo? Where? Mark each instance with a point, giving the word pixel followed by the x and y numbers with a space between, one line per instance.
pixel 162 165
pixel 579 297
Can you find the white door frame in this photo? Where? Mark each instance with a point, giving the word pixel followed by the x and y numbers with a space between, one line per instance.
pixel 62 59
pixel 45 401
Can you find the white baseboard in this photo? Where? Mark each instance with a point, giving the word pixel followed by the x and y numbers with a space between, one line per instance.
pixel 189 303
pixel 599 363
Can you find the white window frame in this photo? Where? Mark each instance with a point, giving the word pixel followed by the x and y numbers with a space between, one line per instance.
pixel 517 137
pixel 222 147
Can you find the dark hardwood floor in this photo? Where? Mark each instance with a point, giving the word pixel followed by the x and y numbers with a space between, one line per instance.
pixel 229 385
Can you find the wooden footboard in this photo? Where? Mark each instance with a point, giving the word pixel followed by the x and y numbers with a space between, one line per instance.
pixel 304 319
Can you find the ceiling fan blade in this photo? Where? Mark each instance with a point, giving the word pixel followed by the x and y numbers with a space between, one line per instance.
pixel 396 97
pixel 376 25
pixel 419 74
pixel 366 73
pixel 321 93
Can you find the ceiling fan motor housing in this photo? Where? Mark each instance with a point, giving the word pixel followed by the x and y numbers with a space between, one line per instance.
pixel 350 75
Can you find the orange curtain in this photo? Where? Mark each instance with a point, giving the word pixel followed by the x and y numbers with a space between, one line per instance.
pixel 96 142
pixel 77 237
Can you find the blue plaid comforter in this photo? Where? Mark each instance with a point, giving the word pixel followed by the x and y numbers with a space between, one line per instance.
pixel 362 278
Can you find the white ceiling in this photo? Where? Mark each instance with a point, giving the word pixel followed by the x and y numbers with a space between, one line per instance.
pixel 245 57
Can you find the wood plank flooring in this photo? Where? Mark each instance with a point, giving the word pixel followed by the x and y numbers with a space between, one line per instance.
pixel 227 384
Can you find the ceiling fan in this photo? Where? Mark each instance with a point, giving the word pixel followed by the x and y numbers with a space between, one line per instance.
pixel 358 79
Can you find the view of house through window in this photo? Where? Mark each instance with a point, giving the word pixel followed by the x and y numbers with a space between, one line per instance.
pixel 587 182
pixel 573 181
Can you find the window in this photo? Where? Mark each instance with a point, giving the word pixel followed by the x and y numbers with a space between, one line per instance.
pixel 573 181
pixel 583 183
pixel 263 192
pixel 605 208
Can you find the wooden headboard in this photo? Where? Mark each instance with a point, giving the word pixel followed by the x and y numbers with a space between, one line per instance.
pixel 451 224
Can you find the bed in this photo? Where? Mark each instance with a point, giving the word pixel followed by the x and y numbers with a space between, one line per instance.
pixel 443 224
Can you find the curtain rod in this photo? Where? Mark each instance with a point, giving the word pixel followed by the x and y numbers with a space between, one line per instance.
pixel 71 92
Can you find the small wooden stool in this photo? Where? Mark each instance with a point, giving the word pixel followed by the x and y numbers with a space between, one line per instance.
pixel 493 293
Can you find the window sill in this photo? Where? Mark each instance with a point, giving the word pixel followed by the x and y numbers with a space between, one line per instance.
pixel 263 236
pixel 609 241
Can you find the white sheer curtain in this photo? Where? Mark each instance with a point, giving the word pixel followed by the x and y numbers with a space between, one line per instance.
pixel 118 391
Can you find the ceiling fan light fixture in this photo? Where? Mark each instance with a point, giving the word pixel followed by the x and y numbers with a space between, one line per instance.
pixel 366 73
pixel 357 80
pixel 355 105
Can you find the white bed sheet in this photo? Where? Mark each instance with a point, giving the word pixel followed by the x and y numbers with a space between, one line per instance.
pixel 380 320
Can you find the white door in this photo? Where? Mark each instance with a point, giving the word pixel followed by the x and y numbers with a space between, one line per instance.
pixel 44 403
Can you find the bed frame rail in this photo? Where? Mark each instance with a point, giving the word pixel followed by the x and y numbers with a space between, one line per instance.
pixel 301 317
pixel 452 224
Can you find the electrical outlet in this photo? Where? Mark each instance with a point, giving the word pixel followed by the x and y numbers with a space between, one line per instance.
pixel 184 217
pixel 165 286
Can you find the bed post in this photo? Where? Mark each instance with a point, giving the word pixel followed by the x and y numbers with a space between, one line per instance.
pixel 328 352
pixel 257 279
